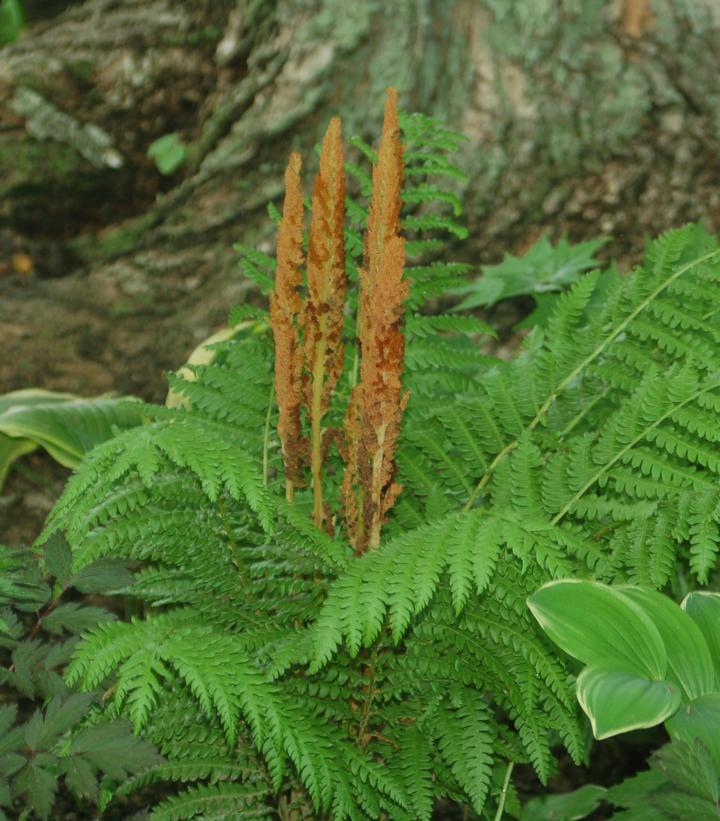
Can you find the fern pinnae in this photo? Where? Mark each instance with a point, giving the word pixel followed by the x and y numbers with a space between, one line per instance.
pixel 714 384
pixel 607 339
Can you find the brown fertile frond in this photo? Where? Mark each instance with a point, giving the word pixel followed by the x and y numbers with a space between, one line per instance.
pixel 373 420
pixel 285 308
pixel 323 315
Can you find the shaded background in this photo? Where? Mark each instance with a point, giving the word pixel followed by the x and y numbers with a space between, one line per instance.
pixel 582 116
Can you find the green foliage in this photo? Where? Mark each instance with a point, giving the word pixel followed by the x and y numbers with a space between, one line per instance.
pixel 168 152
pixel 12 21
pixel 543 270
pixel 275 670
pixel 66 426
pixel 683 781
pixel 66 742
pixel 577 804
pixel 645 656
pixel 618 632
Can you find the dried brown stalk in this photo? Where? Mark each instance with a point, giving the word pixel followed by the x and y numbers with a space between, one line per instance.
pixel 285 306
pixel 636 17
pixel 323 316
pixel 373 420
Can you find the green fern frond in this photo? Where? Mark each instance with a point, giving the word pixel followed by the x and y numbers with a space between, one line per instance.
pixel 223 800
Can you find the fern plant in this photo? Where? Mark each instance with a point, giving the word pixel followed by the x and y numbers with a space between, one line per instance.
pixel 337 549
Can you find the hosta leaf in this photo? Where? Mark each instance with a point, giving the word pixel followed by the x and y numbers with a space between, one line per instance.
pixel 617 702
pixel 66 426
pixel 704 609
pixel 599 626
pixel 12 448
pixel 689 662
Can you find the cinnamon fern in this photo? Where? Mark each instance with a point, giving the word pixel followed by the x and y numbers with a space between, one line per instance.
pixel 280 673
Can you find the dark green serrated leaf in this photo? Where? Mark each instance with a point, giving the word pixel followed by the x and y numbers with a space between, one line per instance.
pixel 42 731
pixel 58 558
pixel 8 714
pixel 75 618
pixel 112 748
pixel 689 767
pixel 39 786
pixel 80 777
pixel 103 576
pixel 544 268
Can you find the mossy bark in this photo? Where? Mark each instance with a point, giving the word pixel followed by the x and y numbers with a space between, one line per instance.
pixel 585 116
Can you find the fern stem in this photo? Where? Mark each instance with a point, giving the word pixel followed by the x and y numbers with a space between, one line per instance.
pixel 591 357
pixel 584 412
pixel 234 546
pixel 367 704
pixel 504 791
pixel 316 431
pixel 619 455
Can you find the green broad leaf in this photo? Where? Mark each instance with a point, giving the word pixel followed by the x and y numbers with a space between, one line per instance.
pixel 699 720
pixel 689 662
pixel 11 21
pixel 616 701
pixel 168 152
pixel 38 785
pixel 42 731
pixel 12 740
pixel 545 268
pixel 690 767
pixel 5 797
pixel 102 576
pixel 76 618
pixel 704 609
pixel 11 763
pixel 600 626
pixel 58 557
pixel 11 449
pixel 677 804
pixel 112 748
pixel 577 804
pixel 8 713
pixel 635 790
pixel 80 778
pixel 66 426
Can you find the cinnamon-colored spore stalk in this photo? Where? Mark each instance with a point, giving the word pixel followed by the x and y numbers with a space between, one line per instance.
pixel 323 315
pixel 285 307
pixel 373 420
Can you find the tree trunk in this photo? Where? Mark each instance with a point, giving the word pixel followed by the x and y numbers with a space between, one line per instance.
pixel 582 117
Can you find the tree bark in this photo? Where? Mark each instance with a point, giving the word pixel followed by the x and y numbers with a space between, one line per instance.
pixel 581 117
